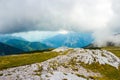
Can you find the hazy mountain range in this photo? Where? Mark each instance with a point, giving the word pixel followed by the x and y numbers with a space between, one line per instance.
pixel 70 40
pixel 19 46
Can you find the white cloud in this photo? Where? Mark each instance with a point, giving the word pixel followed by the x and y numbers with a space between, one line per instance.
pixel 98 16
pixel 54 14
pixel 36 36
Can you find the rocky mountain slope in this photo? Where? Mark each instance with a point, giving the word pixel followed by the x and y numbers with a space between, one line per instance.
pixel 76 64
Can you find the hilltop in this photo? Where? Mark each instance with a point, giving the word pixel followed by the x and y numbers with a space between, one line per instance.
pixel 69 64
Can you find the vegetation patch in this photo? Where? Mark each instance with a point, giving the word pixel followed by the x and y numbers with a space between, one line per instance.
pixel 108 72
pixel 115 50
pixel 25 59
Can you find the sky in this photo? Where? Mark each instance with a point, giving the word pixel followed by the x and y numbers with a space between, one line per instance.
pixel 101 17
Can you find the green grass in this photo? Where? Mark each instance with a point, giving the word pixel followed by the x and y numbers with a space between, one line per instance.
pixel 24 59
pixel 115 50
pixel 108 72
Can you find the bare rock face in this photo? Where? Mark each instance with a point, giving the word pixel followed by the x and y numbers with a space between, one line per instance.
pixel 94 56
pixel 63 67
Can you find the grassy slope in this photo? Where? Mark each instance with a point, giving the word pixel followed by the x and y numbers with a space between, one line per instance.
pixel 24 59
pixel 108 72
pixel 115 50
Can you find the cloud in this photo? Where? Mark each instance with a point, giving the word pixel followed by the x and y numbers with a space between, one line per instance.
pixel 25 15
pixel 98 16
pixel 38 35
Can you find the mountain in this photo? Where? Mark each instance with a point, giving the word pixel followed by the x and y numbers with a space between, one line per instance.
pixel 71 39
pixel 70 64
pixel 26 45
pixel 18 44
pixel 7 49
pixel 38 46
pixel 21 43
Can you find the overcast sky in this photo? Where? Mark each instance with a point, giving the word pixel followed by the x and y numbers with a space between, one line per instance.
pixel 86 15
pixel 98 16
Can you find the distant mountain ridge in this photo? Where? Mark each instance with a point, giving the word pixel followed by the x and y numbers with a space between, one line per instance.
pixel 72 39
pixel 7 49
pixel 26 45
pixel 20 44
